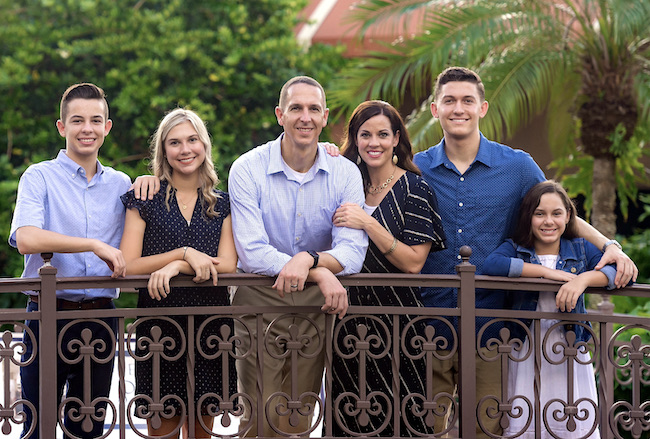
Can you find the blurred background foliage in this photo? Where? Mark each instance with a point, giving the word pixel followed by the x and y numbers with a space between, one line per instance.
pixel 224 59
pixel 227 60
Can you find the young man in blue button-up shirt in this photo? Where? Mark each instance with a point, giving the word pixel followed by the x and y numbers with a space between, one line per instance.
pixel 71 206
pixel 479 184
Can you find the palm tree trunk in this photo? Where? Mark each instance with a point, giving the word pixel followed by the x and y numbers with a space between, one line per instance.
pixel 603 187
pixel 603 218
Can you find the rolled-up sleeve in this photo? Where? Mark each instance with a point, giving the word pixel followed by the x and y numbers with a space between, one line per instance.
pixel 349 245
pixel 503 262
pixel 594 255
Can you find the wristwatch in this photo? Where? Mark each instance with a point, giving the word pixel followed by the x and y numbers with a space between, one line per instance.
pixel 612 242
pixel 314 255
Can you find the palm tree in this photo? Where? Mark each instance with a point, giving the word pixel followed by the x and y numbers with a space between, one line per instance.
pixel 586 62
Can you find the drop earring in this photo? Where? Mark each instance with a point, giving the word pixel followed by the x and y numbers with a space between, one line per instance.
pixel 358 160
pixel 395 158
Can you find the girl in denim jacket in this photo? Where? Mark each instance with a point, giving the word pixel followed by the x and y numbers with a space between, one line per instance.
pixel 545 245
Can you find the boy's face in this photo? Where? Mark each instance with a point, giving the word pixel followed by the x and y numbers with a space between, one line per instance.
pixel 459 109
pixel 84 128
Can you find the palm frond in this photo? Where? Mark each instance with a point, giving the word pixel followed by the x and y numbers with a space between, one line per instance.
pixel 423 128
pixel 395 14
pixel 461 36
pixel 518 87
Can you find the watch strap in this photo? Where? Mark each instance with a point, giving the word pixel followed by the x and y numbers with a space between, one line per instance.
pixel 314 255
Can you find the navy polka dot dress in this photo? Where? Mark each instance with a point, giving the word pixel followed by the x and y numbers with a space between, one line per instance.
pixel 167 230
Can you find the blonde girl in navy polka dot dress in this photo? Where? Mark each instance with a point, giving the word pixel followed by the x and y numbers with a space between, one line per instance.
pixel 186 228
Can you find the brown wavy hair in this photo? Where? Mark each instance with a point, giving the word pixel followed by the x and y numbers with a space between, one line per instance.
pixel 360 115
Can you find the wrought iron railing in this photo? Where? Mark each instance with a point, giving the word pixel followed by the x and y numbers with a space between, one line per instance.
pixel 619 352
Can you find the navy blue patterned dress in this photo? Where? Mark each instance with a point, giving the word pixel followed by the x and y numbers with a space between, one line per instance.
pixel 167 230
pixel 409 212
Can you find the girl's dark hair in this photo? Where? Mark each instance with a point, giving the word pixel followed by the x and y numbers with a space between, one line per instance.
pixel 523 232
pixel 360 115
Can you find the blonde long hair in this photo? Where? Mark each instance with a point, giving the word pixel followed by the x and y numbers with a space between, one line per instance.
pixel 161 168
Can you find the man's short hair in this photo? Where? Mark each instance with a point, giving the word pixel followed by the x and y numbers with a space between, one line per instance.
pixel 458 74
pixel 298 80
pixel 84 90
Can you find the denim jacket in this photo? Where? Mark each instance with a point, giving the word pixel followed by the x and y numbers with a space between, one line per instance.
pixel 576 256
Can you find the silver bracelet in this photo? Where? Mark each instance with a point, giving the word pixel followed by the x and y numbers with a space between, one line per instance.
pixel 184 252
pixel 392 247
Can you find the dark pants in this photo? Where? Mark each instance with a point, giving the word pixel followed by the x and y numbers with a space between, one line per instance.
pixel 71 374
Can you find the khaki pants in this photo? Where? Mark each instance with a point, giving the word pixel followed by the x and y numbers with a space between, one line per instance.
pixel 278 365
pixel 488 382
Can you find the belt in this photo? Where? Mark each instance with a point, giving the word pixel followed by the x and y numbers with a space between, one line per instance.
pixel 100 303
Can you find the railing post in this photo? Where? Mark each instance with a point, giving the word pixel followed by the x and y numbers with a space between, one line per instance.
pixel 467 345
pixel 47 350
pixel 607 372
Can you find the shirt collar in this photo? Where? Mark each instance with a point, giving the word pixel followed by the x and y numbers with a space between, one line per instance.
pixel 277 164
pixel 73 168
pixel 567 251
pixel 484 155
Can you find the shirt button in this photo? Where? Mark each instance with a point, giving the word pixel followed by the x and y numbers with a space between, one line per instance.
pixel 300 214
pixel 462 178
pixel 573 269
pixel 460 204
pixel 460 230
pixel 458 257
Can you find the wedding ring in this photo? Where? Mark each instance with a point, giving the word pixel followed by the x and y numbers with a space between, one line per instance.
pixel 294 286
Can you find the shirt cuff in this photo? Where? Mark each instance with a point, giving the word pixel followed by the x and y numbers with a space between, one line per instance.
pixel 516 267
pixel 610 272
pixel 341 258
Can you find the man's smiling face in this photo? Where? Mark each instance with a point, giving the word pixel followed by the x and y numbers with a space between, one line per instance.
pixel 304 115
pixel 459 109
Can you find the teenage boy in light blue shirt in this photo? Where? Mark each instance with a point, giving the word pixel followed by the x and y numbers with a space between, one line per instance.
pixel 71 206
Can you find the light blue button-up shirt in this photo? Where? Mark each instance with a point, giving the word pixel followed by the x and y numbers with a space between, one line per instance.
pixel 275 216
pixel 55 195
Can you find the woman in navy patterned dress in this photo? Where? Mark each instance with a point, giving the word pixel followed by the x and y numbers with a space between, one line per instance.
pixel 401 219
pixel 186 228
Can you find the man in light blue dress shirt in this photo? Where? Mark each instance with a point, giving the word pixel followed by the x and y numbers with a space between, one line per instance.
pixel 71 206
pixel 283 197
